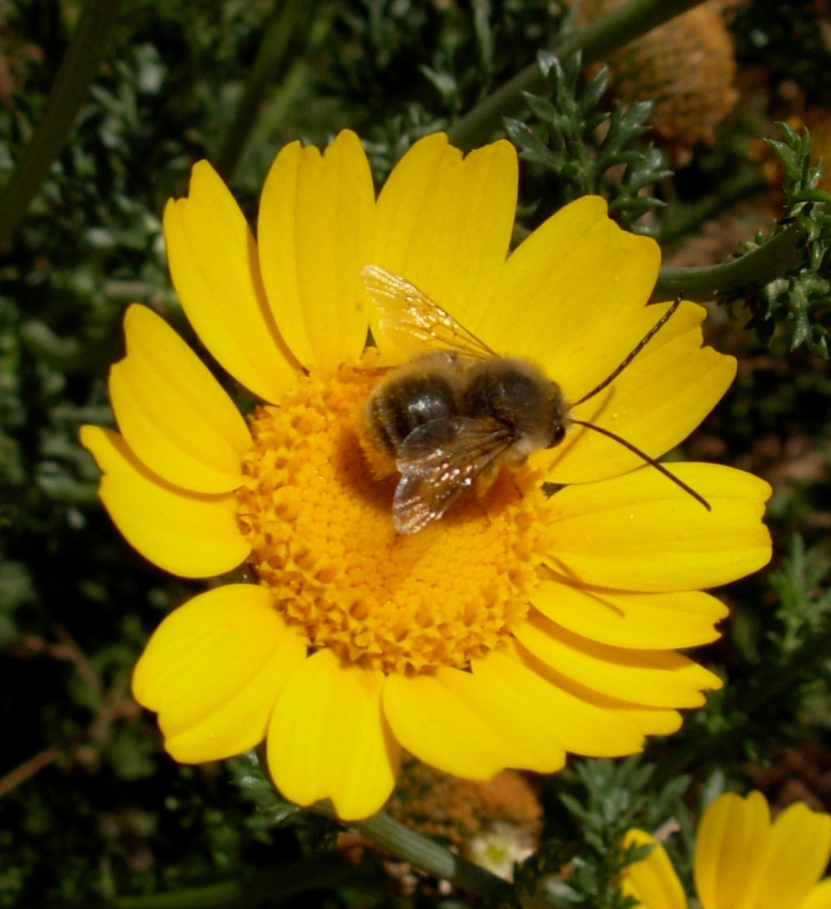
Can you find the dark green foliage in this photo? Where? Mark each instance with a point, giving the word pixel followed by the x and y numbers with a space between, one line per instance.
pixel 804 607
pixel 412 68
pixel 256 788
pixel 800 299
pixel 776 673
pixel 602 801
pixel 565 139
pixel 97 814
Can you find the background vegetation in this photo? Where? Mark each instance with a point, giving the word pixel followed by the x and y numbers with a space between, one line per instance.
pixel 91 810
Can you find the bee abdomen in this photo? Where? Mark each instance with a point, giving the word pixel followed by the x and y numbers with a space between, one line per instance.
pixel 406 403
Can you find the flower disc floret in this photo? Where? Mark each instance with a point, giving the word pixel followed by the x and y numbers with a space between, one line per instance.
pixel 318 522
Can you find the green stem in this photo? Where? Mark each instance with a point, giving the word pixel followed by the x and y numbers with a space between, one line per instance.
pixel 771 260
pixel 596 41
pixel 77 71
pixel 270 60
pixel 398 840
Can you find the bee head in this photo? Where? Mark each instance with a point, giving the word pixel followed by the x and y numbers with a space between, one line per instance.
pixel 557 426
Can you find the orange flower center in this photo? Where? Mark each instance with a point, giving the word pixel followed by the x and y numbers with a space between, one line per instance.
pixel 319 523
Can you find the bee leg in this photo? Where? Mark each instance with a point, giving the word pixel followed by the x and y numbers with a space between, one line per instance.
pixel 486 479
pixel 484 508
pixel 516 486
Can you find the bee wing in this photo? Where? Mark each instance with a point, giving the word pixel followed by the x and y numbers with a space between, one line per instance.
pixel 410 321
pixel 440 460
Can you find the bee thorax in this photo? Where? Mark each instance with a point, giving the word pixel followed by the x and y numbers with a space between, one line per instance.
pixel 520 398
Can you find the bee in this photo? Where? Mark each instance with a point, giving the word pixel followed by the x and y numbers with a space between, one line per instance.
pixel 458 411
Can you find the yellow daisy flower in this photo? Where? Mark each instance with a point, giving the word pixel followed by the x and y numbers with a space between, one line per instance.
pixel 517 628
pixel 742 860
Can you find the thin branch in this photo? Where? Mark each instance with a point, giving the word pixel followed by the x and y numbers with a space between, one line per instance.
pixel 71 87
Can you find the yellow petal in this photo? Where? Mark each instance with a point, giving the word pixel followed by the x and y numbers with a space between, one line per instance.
pixel 431 721
pixel 464 725
pixel 798 852
pixel 642 532
pixel 730 846
pixel 213 670
pixel 191 534
pixel 172 412
pixel 655 403
pixel 654 678
pixel 818 897
pixel 584 722
pixel 648 620
pixel 520 721
pixel 652 881
pixel 444 223
pixel 315 233
pixel 328 738
pixel 568 293
pixel 213 264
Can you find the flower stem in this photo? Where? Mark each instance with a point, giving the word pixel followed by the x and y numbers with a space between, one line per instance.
pixel 771 260
pixel 596 41
pixel 398 840
pixel 69 91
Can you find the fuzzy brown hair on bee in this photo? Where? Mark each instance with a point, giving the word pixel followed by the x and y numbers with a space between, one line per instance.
pixel 459 411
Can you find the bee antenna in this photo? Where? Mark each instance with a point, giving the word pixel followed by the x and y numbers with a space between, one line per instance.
pixel 633 353
pixel 645 457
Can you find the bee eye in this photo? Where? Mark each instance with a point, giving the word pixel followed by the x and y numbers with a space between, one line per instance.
pixel 558 433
